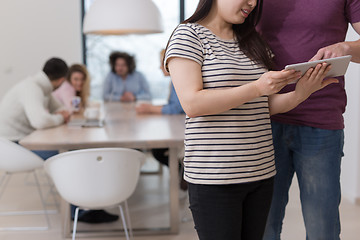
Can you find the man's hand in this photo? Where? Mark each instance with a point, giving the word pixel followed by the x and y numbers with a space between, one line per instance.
pixel 65 114
pixel 331 51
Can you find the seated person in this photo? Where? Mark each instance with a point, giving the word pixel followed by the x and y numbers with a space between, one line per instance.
pixel 77 85
pixel 124 83
pixel 172 107
pixel 29 105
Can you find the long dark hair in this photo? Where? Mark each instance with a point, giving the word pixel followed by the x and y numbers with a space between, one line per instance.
pixel 250 41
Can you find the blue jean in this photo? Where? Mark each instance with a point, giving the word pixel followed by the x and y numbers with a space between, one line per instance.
pixel 45 154
pixel 315 156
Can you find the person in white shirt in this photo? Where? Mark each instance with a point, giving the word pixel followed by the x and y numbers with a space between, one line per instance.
pixel 29 105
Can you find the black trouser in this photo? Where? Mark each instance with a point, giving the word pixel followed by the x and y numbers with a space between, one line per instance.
pixel 231 212
pixel 162 155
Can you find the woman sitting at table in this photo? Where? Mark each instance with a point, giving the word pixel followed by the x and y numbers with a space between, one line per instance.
pixel 75 88
pixel 124 83
pixel 75 91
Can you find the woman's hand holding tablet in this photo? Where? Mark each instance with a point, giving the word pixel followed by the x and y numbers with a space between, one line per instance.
pixel 314 80
pixel 339 66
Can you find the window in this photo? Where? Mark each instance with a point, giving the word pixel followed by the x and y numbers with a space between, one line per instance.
pixel 145 48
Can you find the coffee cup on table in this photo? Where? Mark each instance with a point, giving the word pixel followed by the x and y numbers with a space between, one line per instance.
pixel 75 103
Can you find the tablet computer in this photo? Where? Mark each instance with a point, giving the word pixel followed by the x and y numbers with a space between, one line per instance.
pixel 339 65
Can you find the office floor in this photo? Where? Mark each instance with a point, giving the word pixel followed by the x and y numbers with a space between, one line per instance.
pixel 148 207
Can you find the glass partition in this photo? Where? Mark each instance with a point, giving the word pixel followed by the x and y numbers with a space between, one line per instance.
pixel 145 49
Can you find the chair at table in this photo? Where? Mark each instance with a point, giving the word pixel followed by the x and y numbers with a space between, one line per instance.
pixel 17 159
pixel 96 178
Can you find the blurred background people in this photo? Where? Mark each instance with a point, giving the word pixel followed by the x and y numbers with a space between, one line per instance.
pixel 29 105
pixel 172 107
pixel 77 86
pixel 124 83
pixel 75 91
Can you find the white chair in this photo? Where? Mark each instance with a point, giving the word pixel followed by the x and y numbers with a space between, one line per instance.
pixel 17 159
pixel 96 178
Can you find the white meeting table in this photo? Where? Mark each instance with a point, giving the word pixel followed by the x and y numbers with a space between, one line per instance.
pixel 122 128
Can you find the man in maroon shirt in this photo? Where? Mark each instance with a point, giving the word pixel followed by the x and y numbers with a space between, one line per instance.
pixel 309 139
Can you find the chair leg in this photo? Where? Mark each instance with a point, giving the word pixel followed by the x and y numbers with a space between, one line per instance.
pixel 26 179
pixel 4 181
pixel 128 218
pixel 75 222
pixel 29 182
pixel 53 192
pixel 49 184
pixel 124 222
pixel 42 199
pixel 3 175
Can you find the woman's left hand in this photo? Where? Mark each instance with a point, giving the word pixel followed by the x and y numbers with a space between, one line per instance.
pixel 313 80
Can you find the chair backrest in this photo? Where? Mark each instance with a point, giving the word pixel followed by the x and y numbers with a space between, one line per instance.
pixel 95 178
pixel 15 158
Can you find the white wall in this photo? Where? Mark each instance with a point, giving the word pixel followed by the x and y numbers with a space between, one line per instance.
pixel 350 175
pixel 32 32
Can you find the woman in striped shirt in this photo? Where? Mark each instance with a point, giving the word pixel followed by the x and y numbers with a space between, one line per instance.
pixel 219 67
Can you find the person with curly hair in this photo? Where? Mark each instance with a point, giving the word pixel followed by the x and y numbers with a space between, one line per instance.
pixel 124 83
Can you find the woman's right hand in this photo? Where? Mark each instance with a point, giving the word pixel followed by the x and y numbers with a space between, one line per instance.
pixel 273 81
